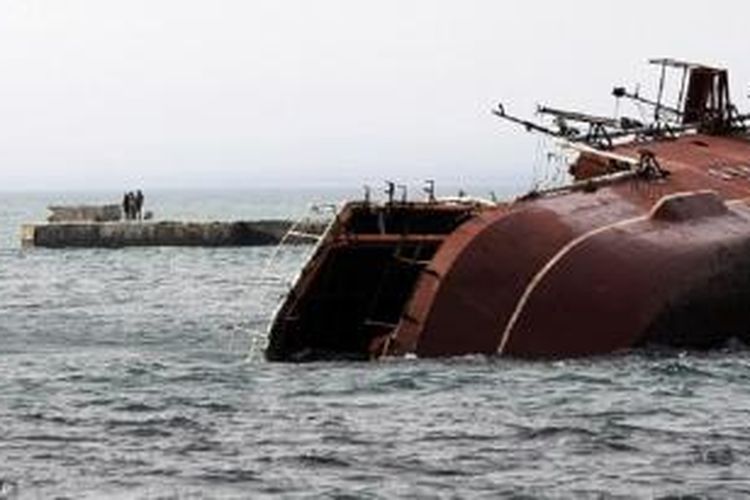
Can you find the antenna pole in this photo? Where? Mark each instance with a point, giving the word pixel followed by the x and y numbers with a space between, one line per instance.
pixel 662 81
pixel 430 190
pixel 681 98
pixel 390 191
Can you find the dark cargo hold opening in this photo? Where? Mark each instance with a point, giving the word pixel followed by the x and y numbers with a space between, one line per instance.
pixel 357 285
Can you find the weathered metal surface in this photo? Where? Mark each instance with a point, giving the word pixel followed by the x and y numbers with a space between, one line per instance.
pixel 652 245
pixel 351 293
pixel 458 299
pixel 602 292
pixel 465 304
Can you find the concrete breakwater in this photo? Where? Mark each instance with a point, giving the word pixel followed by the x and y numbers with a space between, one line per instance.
pixel 84 213
pixel 168 233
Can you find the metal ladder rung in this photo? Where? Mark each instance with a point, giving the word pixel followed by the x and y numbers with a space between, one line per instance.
pixel 384 324
pixel 412 262
pixel 302 234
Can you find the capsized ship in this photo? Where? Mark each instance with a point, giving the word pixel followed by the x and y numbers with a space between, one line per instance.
pixel 649 243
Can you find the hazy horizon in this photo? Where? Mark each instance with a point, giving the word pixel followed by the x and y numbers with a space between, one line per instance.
pixel 99 95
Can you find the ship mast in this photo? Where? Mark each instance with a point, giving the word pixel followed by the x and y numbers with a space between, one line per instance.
pixel 703 104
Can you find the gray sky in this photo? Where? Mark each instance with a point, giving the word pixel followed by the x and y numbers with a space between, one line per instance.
pixel 168 93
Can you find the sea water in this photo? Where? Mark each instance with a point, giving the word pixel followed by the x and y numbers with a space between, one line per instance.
pixel 138 373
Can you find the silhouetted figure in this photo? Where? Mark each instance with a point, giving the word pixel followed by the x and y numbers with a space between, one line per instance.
pixel 126 206
pixel 132 206
pixel 139 204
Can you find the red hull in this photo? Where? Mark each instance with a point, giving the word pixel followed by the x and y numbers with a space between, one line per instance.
pixel 611 263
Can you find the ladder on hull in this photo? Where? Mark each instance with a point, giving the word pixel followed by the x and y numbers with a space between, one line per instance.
pixel 272 274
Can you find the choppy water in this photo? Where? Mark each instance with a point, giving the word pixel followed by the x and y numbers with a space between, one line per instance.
pixel 133 374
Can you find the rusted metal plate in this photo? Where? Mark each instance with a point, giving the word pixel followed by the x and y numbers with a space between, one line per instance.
pixel 470 289
pixel 585 269
pixel 472 282
pixel 605 292
pixel 467 296
pixel 545 286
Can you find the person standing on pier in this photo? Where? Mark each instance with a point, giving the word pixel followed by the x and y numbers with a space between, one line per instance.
pixel 127 205
pixel 139 204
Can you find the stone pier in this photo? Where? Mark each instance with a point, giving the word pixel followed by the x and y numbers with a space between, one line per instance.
pixel 166 233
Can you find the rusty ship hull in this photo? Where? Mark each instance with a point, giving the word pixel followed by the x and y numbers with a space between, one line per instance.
pixel 649 245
